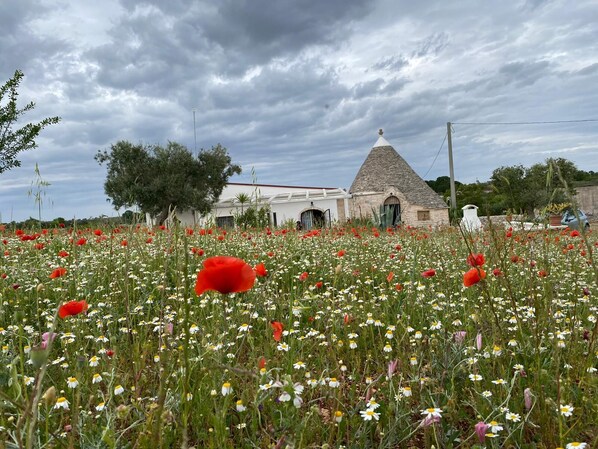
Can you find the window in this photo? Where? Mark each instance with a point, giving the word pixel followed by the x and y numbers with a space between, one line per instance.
pixel 225 222
pixel 423 215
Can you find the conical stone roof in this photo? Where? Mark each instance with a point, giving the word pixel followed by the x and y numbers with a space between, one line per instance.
pixel 384 168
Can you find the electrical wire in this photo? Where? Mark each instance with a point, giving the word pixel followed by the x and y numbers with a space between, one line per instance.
pixel 436 157
pixel 526 123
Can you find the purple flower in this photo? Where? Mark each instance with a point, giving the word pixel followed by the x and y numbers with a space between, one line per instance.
pixel 459 337
pixel 47 336
pixel 480 429
pixel 392 367
pixel 429 420
pixel 527 398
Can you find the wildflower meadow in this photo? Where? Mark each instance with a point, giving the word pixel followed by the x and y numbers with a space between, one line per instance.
pixel 354 337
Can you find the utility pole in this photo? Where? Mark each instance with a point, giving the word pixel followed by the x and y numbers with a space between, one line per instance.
pixel 451 168
pixel 194 134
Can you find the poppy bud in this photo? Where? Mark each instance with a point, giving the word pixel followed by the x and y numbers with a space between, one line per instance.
pixel 49 396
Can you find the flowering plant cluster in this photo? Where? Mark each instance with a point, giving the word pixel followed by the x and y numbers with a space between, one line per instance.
pixel 345 337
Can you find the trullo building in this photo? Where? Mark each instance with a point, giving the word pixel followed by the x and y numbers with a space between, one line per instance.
pixel 388 189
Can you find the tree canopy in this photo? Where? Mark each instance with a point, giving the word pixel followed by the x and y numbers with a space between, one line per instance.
pixel 520 189
pixel 12 142
pixel 156 178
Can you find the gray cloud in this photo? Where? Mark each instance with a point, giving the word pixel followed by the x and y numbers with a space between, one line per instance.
pixel 297 89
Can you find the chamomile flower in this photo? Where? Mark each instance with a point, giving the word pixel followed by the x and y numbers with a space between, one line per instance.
pixel 515 417
pixel 283 347
pixel 338 416
pixel 61 402
pixel 240 406
pixel 566 410
pixel 119 390
pixel 226 389
pixel 369 414
pixel 495 427
pixel 72 382
pixel 432 412
pixel 100 406
pixel 373 404
pixel 94 361
pixel 299 365
pixel 576 445
pixel 436 325
pixel 475 377
pixel 244 327
pixel 28 380
pixel 333 382
pixel 96 378
pixel 406 391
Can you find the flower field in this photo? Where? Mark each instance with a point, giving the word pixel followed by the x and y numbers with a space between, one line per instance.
pixel 346 337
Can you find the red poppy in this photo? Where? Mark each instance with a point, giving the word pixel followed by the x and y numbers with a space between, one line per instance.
pixel 58 272
pixel 82 241
pixel 542 273
pixel 303 276
pixel 476 260
pixel 98 232
pixel 225 274
pixel 72 308
pixel 260 270
pixel 497 272
pixel 429 273
pixel 390 276
pixel 341 253
pixel 575 233
pixel 261 362
pixel 278 328
pixel 473 276
pixel 63 253
pixel 319 284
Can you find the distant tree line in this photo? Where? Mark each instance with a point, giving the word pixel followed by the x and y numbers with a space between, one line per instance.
pixel 126 218
pixel 519 189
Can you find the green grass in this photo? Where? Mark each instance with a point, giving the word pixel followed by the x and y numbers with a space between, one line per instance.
pixel 470 352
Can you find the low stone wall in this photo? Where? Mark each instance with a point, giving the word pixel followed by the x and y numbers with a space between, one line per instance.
pixel 501 220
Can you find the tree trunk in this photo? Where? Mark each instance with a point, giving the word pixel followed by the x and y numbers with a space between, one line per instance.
pixel 162 216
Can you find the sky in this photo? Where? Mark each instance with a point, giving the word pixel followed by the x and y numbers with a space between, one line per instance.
pixel 296 90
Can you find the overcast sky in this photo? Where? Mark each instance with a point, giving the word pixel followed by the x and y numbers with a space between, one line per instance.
pixel 297 89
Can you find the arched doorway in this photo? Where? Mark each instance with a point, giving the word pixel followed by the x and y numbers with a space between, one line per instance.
pixel 391 213
pixel 312 218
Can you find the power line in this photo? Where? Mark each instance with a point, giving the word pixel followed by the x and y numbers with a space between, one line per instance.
pixel 527 123
pixel 436 157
